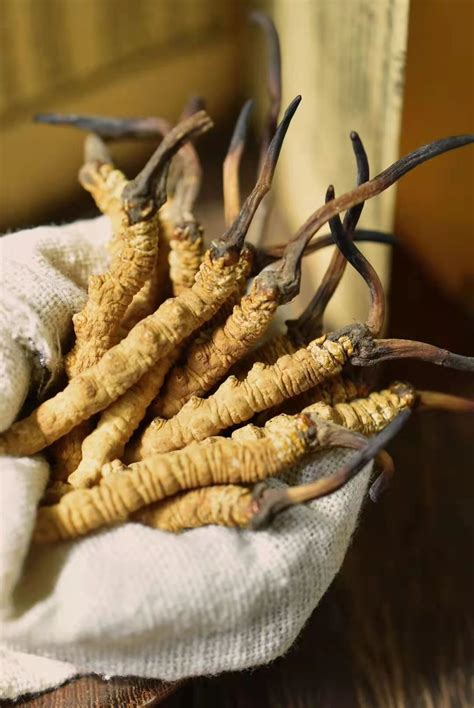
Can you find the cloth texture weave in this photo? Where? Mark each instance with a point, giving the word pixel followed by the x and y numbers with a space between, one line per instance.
pixel 131 600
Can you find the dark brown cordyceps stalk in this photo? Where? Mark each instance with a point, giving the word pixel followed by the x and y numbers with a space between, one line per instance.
pixel 231 166
pixel 309 324
pixel 368 349
pixel 157 335
pixel 370 189
pixel 274 90
pixel 268 502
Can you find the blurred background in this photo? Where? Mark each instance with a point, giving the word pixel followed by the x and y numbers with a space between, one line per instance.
pixel 398 72
pixel 396 627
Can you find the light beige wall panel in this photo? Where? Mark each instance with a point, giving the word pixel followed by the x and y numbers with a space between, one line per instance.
pixel 347 59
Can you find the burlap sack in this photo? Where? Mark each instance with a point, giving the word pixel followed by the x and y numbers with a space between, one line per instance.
pixel 131 600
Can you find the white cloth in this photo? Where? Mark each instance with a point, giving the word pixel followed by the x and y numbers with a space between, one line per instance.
pixel 131 600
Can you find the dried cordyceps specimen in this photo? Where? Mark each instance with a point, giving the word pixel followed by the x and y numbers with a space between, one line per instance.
pixel 224 505
pixel 117 424
pixel 237 506
pixel 134 259
pixel 128 343
pixel 224 461
pixel 208 361
pixel 273 501
pixel 155 336
pixel 119 421
pixel 308 326
pixel 268 385
pixel 237 401
pixel 181 236
pixel 231 166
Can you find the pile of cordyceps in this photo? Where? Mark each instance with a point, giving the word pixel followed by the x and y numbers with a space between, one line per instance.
pixel 171 354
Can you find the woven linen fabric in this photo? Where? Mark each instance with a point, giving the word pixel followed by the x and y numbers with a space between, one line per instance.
pixel 131 600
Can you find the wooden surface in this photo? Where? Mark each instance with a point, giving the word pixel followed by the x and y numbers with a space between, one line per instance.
pixel 102 57
pixel 395 628
pixel 438 101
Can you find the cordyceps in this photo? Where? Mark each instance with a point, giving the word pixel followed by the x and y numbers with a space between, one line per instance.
pixel 119 421
pixel 251 455
pixel 123 490
pixel 207 361
pixel 133 260
pixel 308 326
pixel 181 235
pixel 181 474
pixel 134 256
pixel 238 506
pixel 155 336
pixel 266 386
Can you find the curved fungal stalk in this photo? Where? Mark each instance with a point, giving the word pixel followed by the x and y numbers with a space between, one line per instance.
pixel 182 234
pixel 235 234
pixel 370 353
pixel 274 90
pixel 268 502
pixel 109 127
pixel 264 258
pixel 368 349
pixel 372 188
pixel 154 337
pixel 309 324
pixel 209 360
pixel 351 254
pixel 123 490
pixel 231 166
